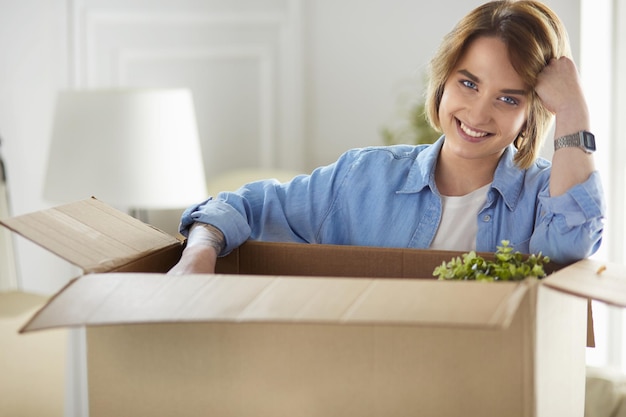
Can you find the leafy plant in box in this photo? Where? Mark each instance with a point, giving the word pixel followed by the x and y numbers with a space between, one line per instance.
pixel 506 266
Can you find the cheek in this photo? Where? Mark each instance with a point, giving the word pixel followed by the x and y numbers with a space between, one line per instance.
pixel 519 121
pixel 446 103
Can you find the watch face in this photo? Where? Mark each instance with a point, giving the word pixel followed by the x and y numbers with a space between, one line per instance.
pixel 589 141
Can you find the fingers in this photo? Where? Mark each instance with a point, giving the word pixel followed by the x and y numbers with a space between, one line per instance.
pixel 558 87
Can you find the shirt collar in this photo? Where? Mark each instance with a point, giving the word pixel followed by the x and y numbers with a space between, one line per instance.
pixel 422 173
pixel 508 178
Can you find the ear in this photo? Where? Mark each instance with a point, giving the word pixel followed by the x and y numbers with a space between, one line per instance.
pixel 521 136
pixel 522 132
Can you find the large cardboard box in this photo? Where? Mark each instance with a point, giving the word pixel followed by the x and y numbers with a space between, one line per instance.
pixel 312 330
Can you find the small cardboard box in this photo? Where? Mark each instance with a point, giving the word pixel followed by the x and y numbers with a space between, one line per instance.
pixel 286 329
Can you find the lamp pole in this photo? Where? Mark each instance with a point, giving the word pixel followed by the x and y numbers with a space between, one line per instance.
pixel 8 269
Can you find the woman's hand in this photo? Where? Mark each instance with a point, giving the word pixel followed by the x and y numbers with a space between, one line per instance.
pixel 198 259
pixel 559 89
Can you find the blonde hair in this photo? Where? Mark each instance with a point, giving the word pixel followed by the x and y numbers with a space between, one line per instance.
pixel 534 35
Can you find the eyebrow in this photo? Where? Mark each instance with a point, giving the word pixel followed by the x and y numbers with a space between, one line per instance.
pixel 477 81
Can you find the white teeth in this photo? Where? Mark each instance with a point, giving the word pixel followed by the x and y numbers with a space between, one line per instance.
pixel 471 132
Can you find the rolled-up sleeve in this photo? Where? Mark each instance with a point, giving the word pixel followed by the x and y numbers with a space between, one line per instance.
pixel 570 225
pixel 220 215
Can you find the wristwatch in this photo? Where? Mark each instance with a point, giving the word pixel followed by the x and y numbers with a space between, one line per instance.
pixel 583 140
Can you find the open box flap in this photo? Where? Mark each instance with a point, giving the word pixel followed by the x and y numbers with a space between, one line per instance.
pixel 601 281
pixel 91 235
pixel 122 298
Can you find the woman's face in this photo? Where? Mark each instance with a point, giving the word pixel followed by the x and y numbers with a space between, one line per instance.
pixel 484 104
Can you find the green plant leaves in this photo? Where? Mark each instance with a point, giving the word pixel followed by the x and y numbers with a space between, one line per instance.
pixel 506 266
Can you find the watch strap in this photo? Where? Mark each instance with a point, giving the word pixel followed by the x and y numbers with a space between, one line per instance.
pixel 574 140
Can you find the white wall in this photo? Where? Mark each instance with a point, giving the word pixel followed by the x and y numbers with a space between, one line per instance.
pixel 336 68
pixel 603 59
pixel 34 57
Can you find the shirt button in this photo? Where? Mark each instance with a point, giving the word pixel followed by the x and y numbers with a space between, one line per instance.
pixel 486 218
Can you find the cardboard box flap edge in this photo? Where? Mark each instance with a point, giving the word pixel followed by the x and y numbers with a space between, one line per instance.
pixel 91 235
pixel 122 298
pixel 591 279
pixel 43 310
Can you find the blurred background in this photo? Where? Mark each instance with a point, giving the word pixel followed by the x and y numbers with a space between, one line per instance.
pixel 279 86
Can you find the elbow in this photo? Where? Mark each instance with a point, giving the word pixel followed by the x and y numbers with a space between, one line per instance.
pixel 571 247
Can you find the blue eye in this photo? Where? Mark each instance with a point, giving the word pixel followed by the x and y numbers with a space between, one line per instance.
pixel 469 84
pixel 509 100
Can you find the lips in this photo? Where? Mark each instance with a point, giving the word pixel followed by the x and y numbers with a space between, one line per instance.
pixel 471 134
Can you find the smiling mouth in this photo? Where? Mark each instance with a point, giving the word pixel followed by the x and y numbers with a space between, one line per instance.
pixel 471 133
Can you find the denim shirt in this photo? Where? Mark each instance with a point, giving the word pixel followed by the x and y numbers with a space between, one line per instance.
pixel 387 197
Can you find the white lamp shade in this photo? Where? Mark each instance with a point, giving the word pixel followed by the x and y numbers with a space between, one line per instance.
pixel 136 149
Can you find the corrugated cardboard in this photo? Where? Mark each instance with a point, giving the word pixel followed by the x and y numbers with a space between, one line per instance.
pixel 291 334
pixel 98 238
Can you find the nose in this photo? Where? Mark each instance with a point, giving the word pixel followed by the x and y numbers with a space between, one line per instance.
pixel 480 111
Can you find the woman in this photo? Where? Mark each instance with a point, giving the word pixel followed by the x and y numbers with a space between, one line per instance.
pixel 498 80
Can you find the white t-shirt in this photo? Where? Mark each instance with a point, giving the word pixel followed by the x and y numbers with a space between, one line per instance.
pixel 459 225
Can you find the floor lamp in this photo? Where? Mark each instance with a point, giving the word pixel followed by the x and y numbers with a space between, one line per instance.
pixel 135 149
